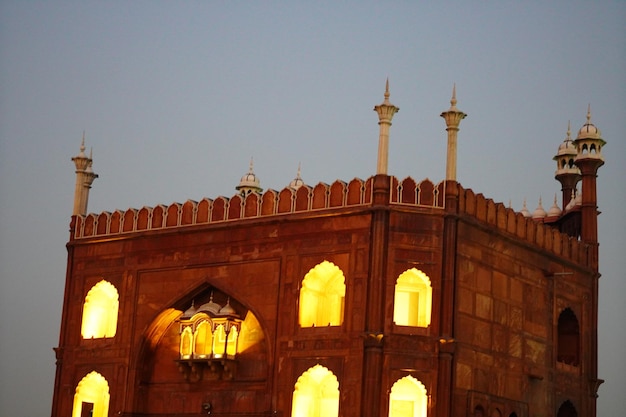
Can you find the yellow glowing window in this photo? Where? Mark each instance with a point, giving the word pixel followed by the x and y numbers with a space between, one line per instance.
pixel 412 301
pixel 408 398
pixel 204 340
pixel 186 340
pixel 100 311
pixel 316 394
pixel 322 296
pixel 92 397
pixel 219 341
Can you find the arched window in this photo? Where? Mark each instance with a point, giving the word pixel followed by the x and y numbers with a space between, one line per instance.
pixel 186 341
pixel 100 311
pixel 322 296
pixel 203 345
pixel 316 394
pixel 567 409
pixel 479 411
pixel 408 398
pixel 412 299
pixel 568 343
pixel 92 397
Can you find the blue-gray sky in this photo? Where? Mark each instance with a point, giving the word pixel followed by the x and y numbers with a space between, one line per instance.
pixel 175 98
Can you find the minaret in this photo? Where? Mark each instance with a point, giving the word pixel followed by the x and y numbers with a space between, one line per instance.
pixel 589 158
pixel 567 173
pixel 84 178
pixel 249 182
pixel 453 118
pixel 385 111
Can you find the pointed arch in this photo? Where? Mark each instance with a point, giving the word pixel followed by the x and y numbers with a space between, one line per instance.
pixel 91 398
pixel 322 296
pixel 568 338
pixel 316 394
pixel 567 409
pixel 100 311
pixel 408 398
pixel 412 302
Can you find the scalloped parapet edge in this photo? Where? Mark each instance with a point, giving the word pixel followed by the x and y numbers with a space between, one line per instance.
pixel 506 219
pixel 323 196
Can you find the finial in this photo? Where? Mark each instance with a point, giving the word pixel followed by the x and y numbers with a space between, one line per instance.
pixel 251 169
pixel 387 91
pixel 453 99
pixel 82 146
pixel 569 131
pixel 299 170
pixel 91 153
pixel 589 113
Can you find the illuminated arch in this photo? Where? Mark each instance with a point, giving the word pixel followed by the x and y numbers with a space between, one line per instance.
pixel 322 296
pixel 568 342
pixel 412 301
pixel 316 394
pixel 203 340
pixel 92 397
pixel 186 343
pixel 100 311
pixel 408 398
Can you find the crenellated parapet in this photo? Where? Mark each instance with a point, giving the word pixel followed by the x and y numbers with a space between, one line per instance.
pixel 497 215
pixel 323 196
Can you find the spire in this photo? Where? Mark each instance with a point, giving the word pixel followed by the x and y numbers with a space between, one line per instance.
pixel 385 111
pixel 453 118
pixel 84 178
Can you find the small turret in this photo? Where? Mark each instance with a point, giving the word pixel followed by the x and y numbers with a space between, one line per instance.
pixel 249 182
pixel 567 173
pixel 84 178
pixel 385 111
pixel 453 119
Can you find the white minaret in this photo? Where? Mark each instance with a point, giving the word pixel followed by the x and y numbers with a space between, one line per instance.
pixel 385 111
pixel 84 178
pixel 453 118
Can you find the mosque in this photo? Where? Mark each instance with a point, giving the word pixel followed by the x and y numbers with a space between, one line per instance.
pixel 376 297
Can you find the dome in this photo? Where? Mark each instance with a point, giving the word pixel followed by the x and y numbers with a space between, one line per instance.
pixel 539 212
pixel 589 130
pixel 227 310
pixel 524 210
pixel 249 182
pixel 189 312
pixel 296 182
pixel 572 202
pixel 567 147
pixel 210 307
pixel 555 210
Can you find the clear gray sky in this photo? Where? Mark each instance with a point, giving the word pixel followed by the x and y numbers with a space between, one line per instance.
pixel 175 98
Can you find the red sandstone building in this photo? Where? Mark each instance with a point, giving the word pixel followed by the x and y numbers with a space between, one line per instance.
pixel 377 297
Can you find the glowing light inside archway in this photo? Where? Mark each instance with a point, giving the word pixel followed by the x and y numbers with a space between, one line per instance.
pixel 412 302
pixel 316 394
pixel 100 311
pixel 322 296
pixel 92 397
pixel 408 398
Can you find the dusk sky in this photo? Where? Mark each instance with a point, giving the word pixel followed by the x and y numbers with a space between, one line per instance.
pixel 176 97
